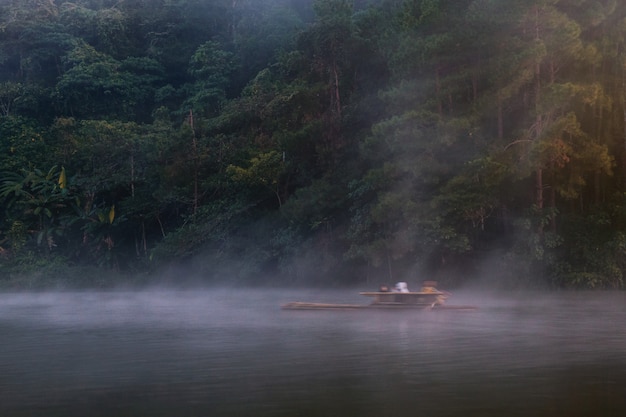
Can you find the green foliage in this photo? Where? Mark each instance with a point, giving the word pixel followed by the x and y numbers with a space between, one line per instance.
pixel 96 85
pixel 212 67
pixel 212 224
pixel 37 200
pixel 262 32
pixel 344 138
pixel 23 144
pixel 265 169
pixel 594 256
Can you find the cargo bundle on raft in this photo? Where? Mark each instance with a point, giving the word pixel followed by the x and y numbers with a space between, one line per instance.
pixel 428 297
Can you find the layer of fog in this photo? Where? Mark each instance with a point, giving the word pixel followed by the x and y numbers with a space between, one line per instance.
pixel 235 347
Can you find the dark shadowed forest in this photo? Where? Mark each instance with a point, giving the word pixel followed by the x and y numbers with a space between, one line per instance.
pixel 326 142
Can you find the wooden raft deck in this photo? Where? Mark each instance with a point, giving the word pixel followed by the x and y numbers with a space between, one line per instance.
pixel 298 305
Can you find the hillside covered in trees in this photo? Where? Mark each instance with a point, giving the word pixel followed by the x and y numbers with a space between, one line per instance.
pixel 314 142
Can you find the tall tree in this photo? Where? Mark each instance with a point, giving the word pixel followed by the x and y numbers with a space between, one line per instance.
pixel 328 43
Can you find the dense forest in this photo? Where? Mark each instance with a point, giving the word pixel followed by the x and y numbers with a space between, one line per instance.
pixel 320 142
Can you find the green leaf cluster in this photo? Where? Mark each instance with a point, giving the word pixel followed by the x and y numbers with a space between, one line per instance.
pixel 324 142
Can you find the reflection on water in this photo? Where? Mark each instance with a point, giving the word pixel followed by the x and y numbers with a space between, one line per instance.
pixel 235 353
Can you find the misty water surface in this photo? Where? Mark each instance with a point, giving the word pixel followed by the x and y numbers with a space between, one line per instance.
pixel 235 353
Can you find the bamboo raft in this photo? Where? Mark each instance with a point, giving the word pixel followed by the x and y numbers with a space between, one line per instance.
pixel 299 305
pixel 428 298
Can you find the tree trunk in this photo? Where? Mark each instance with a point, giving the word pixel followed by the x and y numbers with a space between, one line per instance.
pixel 132 175
pixel 335 98
pixel 194 146
pixel 539 188
pixel 500 120
pixel 623 99
pixel 438 92
pixel 553 201
pixel 538 127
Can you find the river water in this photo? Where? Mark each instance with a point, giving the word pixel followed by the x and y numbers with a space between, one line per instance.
pixel 236 353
